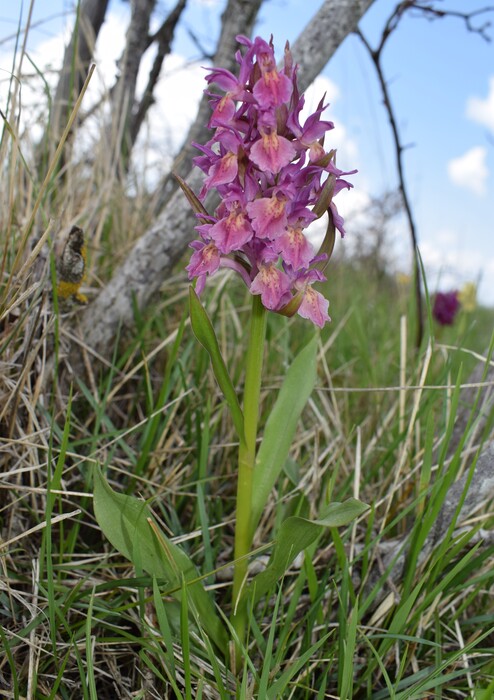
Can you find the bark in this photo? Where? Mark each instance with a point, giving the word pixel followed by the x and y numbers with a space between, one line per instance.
pixel 77 58
pixel 479 493
pixel 324 34
pixel 137 43
pixel 155 254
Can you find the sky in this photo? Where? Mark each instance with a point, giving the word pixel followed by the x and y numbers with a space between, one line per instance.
pixel 441 80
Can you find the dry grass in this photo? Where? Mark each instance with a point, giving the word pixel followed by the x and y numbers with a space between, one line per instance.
pixel 76 619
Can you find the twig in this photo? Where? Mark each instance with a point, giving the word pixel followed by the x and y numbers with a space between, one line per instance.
pixel 375 55
pixel 163 37
pixel 426 9
pixel 430 12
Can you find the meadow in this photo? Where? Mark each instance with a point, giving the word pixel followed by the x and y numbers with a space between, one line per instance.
pixel 397 604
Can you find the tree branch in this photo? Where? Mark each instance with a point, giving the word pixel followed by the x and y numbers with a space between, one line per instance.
pixel 123 93
pixel 426 9
pixel 163 37
pixel 430 12
pixel 376 59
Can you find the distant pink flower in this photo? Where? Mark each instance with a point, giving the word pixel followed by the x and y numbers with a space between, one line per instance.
pixel 446 306
pixel 270 171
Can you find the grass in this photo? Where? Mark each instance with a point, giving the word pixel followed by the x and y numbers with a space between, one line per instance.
pixel 78 620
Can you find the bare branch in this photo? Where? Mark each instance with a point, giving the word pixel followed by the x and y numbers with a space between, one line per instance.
pixel 163 37
pixel 428 10
pixel 323 35
pixel 376 59
pixel 137 42
pixel 201 49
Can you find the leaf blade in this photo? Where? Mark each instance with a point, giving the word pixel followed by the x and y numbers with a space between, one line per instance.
pixel 281 425
pixel 127 523
pixel 295 535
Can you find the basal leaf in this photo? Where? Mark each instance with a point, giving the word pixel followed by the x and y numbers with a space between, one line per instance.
pixel 295 535
pixel 281 425
pixel 128 524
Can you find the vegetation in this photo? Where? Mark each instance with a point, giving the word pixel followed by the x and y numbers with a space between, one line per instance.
pixel 76 616
pixel 387 607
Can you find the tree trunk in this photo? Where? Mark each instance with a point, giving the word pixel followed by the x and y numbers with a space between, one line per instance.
pixel 157 251
pixel 77 58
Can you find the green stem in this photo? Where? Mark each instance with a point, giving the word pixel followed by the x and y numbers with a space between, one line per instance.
pixel 246 459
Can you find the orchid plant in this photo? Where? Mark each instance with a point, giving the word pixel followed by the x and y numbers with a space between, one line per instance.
pixel 273 177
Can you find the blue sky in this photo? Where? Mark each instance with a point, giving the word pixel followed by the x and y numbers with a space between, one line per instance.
pixel 442 86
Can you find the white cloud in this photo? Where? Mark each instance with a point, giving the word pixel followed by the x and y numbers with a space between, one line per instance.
pixel 449 264
pixel 470 170
pixel 177 97
pixel 482 111
pixel 320 87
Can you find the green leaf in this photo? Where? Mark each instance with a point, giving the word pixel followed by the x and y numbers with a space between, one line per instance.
pixel 485 694
pixel 295 535
pixel 281 425
pixel 204 332
pixel 128 524
pixel 349 644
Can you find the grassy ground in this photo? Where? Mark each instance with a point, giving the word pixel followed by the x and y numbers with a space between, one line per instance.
pixel 78 620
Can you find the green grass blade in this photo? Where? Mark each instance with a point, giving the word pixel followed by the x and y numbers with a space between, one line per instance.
pixel 164 626
pixel 268 654
pixel 185 639
pixel 279 687
pixel 89 651
pixel 346 690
